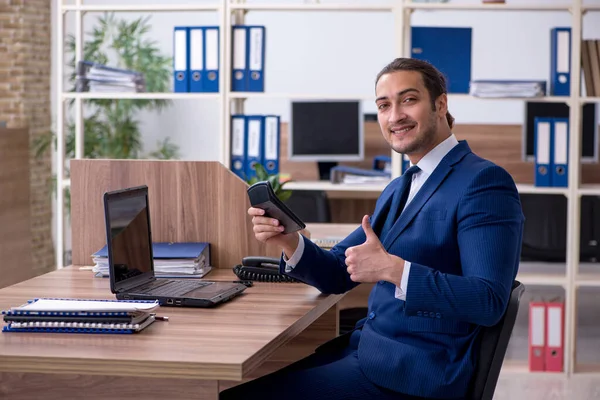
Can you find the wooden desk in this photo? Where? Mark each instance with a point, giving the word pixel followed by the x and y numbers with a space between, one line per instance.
pixel 194 355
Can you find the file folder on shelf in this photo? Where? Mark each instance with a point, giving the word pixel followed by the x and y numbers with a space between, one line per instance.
pixel 560 151
pixel 239 79
pixel 210 82
pixel 238 145
pixel 271 140
pixel 449 49
pixel 555 312
pixel 254 146
pixel 560 62
pixel 537 336
pixel 180 60
pixel 542 151
pixel 196 53
pixel 256 58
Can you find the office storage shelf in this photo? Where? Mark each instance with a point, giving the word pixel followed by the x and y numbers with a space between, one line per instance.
pixel 570 276
pixel 490 7
pixel 142 7
pixel 314 7
pixel 550 99
pixel 590 190
pixel 300 96
pixel 140 96
pixel 531 189
pixel 589 279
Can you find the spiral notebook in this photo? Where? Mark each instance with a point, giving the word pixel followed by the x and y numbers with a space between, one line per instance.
pixel 80 316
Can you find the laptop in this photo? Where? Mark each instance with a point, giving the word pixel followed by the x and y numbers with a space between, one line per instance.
pixel 131 262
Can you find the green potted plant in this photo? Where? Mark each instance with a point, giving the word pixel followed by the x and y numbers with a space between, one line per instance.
pixel 263 175
pixel 110 127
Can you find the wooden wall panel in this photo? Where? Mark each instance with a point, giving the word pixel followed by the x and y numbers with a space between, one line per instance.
pixel 15 211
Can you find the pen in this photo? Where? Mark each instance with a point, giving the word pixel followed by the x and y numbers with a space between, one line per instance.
pixel 161 318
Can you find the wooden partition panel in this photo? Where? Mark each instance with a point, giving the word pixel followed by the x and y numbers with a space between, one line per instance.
pixel 189 201
pixel 15 212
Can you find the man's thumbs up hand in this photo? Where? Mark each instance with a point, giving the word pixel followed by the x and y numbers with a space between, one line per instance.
pixel 370 262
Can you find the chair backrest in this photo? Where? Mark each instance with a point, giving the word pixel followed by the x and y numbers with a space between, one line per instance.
pixel 310 205
pixel 492 348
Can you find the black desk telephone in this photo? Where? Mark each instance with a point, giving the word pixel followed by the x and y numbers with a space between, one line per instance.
pixel 262 269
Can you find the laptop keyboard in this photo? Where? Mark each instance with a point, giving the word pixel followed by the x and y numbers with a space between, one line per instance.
pixel 172 288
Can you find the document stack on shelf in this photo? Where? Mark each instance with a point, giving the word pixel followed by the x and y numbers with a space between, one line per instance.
pixel 80 316
pixel 354 175
pixel 95 77
pixel 171 260
pixel 499 89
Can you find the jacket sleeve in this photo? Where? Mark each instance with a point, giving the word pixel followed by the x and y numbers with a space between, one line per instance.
pixel 489 232
pixel 326 270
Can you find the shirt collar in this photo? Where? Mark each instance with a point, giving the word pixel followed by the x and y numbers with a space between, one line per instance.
pixel 431 160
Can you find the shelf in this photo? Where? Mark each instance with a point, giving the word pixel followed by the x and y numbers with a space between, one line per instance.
pixel 590 99
pixel 588 279
pixel 452 96
pixel 531 189
pixel 587 369
pixel 140 96
pixel 315 7
pixel 593 190
pixel 297 96
pixel 542 273
pixel 494 7
pixel 328 186
pixel 143 7
pixel 550 99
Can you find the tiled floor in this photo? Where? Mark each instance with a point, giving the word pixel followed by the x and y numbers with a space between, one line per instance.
pixel 535 387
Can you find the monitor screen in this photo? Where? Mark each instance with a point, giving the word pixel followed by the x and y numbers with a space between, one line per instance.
pixel 326 131
pixel 129 236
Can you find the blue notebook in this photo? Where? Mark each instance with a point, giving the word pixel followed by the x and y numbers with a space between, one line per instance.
pixel 171 250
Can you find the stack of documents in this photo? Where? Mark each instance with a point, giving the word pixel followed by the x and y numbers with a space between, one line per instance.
pixel 353 175
pixel 94 77
pixel 80 316
pixel 327 242
pixel 172 260
pixel 501 89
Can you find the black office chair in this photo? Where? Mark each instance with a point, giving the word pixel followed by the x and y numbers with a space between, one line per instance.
pixel 492 348
pixel 310 205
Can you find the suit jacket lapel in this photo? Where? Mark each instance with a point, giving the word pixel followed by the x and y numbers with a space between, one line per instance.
pixel 426 191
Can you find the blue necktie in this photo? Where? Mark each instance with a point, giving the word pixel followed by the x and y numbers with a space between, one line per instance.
pixel 404 190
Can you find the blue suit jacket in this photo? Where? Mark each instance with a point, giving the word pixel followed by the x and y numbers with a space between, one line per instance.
pixel 462 234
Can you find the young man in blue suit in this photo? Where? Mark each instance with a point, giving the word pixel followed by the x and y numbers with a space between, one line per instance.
pixel 443 247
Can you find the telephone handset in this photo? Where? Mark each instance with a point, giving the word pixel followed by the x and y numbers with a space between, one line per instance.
pixel 262 196
pixel 262 269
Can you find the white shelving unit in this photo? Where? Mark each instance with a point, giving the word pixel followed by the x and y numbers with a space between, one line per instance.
pixel 233 11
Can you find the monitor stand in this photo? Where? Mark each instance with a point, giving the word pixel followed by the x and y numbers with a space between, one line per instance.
pixel 325 168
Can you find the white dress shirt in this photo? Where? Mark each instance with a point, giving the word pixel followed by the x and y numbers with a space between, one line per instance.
pixel 426 165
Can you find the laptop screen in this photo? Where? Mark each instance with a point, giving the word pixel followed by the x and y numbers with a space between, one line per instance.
pixel 129 232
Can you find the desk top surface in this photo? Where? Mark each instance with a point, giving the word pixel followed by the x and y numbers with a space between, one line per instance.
pixel 225 342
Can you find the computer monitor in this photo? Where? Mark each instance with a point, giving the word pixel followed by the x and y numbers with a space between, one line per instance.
pixel 326 131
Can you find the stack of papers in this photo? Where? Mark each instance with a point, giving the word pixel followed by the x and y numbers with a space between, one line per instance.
pixel 80 316
pixel 172 260
pixel 94 77
pixel 499 89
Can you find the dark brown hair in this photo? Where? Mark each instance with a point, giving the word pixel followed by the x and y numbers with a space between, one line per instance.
pixel 434 80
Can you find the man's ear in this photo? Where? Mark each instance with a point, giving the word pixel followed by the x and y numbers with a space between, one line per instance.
pixel 441 104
